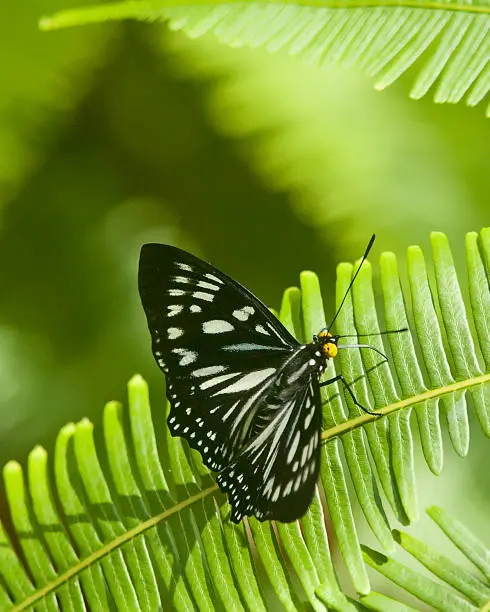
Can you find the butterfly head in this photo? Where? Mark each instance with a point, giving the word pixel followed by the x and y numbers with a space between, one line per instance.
pixel 328 343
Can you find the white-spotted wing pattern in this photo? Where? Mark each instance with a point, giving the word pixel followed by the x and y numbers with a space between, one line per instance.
pixel 242 390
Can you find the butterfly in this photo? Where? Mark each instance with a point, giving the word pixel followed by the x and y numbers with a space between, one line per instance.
pixel 242 390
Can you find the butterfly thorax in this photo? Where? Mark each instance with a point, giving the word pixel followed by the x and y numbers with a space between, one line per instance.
pixel 327 343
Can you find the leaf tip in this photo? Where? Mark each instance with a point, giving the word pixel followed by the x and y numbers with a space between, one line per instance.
pixel 397 535
pixel 344 268
pixel 366 270
pixel 439 238
pixel 37 453
pixel 67 430
pixel 434 511
pixel 113 406
pixel 471 238
pixel 137 382
pixel 307 276
pixel 373 557
pixel 11 468
pixel 415 254
pixel 85 424
pixel 291 292
pixel 387 257
pixel 112 415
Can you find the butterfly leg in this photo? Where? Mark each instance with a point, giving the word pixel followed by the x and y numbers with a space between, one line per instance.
pixel 340 378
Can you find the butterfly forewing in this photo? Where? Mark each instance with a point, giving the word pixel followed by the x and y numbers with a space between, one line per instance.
pixel 219 346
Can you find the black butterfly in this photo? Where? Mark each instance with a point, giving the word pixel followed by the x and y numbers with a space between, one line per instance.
pixel 242 390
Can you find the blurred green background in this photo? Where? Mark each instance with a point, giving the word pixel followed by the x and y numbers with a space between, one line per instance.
pixel 117 135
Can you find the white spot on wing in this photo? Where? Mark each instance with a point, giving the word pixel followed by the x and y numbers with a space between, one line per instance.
pixel 309 416
pixel 216 326
pixel 174 309
pixel 183 266
pixel 216 380
pixel 209 371
pixel 304 455
pixel 268 486
pixel 249 381
pixel 206 285
pixel 298 374
pixel 195 308
pixel 261 330
pixel 174 332
pixel 187 356
pixel 214 278
pixel 311 446
pixel 227 416
pixel 182 279
pixel 176 292
pixel 243 314
pixel 294 446
pixel 201 295
pixel 247 346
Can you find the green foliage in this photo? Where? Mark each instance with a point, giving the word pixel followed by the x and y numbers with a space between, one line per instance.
pixel 134 521
pixel 36 87
pixel 385 40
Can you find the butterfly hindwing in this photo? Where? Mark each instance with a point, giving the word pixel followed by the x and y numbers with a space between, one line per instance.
pixel 274 476
pixel 218 345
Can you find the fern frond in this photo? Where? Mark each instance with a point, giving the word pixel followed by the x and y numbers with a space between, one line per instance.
pixel 134 521
pixel 383 38
pixel 468 592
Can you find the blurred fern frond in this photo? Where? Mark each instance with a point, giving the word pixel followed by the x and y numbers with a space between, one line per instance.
pixel 333 145
pixel 34 106
pixel 134 521
pixel 384 39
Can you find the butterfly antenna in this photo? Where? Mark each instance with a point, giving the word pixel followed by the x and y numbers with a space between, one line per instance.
pixel 364 257
pixel 382 333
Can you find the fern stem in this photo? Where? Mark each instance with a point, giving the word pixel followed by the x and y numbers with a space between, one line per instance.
pixel 351 424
